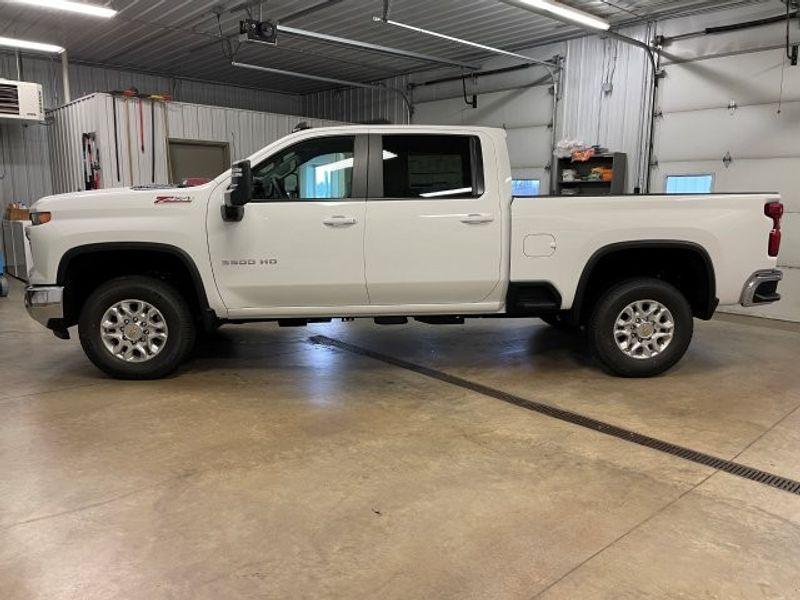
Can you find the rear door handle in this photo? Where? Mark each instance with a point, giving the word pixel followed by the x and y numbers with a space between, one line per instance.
pixel 339 221
pixel 476 218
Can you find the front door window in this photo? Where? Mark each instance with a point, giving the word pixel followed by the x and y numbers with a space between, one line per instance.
pixel 316 169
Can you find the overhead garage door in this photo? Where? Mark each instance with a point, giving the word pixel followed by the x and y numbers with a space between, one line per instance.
pixel 732 106
pixel 525 114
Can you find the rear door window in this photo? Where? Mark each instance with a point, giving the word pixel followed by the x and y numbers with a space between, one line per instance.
pixel 431 166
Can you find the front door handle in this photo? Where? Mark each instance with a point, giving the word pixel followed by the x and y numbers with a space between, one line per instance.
pixel 476 218
pixel 339 221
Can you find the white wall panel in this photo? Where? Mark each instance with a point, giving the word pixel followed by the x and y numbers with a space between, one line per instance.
pixel 772 175
pixel 749 132
pixel 752 78
pixel 24 162
pixel 728 42
pixel 529 147
pixel 790 240
pixel 524 113
pixel 522 107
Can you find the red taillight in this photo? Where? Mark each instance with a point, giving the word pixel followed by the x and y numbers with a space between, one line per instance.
pixel 774 210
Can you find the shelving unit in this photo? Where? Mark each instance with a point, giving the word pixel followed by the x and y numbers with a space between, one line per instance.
pixel 582 186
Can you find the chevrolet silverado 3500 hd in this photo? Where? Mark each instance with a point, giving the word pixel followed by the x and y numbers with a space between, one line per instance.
pixel 391 222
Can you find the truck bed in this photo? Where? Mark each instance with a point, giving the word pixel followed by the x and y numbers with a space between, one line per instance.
pixel 554 237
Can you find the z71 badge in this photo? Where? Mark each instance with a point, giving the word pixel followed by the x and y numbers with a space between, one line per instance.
pixel 172 200
pixel 250 262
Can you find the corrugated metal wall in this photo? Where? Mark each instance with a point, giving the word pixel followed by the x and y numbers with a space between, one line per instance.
pixel 25 157
pixel 244 131
pixel 24 163
pixel 357 105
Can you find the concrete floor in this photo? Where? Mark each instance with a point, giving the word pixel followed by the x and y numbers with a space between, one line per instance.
pixel 272 468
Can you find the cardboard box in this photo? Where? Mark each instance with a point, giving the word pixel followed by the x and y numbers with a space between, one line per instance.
pixel 14 213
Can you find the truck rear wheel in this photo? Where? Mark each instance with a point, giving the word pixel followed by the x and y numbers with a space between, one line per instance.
pixel 136 328
pixel 640 327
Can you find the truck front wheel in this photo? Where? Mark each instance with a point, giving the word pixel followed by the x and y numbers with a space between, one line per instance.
pixel 136 328
pixel 640 327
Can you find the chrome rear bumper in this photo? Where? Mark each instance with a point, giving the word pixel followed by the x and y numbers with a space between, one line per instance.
pixel 761 288
pixel 45 304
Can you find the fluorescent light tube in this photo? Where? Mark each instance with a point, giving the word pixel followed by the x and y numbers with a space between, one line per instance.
pixel 77 7
pixel 26 45
pixel 565 12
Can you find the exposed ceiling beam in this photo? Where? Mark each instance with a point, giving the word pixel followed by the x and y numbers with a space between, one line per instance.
pixel 332 39
pixel 527 59
pixel 310 76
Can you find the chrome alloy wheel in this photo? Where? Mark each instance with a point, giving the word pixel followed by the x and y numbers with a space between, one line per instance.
pixel 644 329
pixel 133 331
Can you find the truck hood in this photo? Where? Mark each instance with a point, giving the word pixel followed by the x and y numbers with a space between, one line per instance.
pixel 121 198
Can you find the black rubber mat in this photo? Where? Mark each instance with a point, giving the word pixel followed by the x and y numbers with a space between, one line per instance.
pixel 721 464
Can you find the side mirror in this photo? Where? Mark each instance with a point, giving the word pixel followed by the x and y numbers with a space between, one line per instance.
pixel 239 192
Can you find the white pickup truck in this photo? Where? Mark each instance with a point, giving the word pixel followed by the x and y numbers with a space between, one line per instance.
pixel 391 222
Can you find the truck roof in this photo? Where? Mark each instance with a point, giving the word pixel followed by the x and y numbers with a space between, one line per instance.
pixel 413 126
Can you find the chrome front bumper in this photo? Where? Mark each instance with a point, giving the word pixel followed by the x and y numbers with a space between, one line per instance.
pixel 45 304
pixel 761 288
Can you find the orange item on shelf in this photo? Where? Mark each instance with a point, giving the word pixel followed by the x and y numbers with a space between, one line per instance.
pixel 583 155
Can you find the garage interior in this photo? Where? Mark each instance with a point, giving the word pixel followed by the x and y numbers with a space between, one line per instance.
pixel 351 459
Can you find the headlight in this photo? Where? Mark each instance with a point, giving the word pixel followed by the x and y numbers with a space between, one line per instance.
pixel 40 218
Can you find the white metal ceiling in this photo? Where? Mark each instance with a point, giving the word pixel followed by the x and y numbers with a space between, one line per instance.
pixel 181 37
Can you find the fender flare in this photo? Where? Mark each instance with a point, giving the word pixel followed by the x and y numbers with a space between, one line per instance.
pixel 185 259
pixel 583 282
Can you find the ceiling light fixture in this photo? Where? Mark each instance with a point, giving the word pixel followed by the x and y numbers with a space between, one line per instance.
pixel 27 45
pixel 77 7
pixel 563 12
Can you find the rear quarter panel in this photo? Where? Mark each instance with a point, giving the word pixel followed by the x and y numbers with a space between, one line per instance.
pixel 732 228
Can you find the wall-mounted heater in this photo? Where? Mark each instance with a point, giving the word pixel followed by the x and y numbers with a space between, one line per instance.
pixel 21 100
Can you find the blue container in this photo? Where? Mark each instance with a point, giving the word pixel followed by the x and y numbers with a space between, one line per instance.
pixel 3 280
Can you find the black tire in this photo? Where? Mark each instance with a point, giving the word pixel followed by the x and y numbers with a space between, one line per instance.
pixel 561 322
pixel 601 327
pixel 166 299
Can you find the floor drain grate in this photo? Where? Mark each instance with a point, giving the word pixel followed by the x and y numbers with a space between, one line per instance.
pixel 715 462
